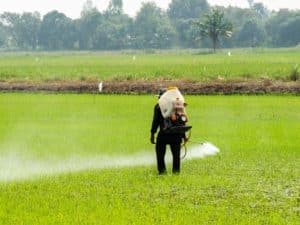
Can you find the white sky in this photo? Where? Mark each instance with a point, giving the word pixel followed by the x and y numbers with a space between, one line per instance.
pixel 72 8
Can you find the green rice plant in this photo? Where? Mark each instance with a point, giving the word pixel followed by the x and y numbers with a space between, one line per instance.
pixel 254 180
pixel 171 64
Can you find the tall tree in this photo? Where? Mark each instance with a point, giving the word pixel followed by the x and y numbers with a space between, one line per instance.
pixel 114 32
pixel 261 10
pixel 3 36
pixel 186 9
pixel 57 31
pixel 27 30
pixel 153 28
pixel 215 26
pixel 251 34
pixel 282 26
pixel 87 25
pixel 23 28
pixel 115 7
pixel 240 17
pixel 87 8
pixel 116 29
pixel 183 13
pixel 8 21
pixel 289 32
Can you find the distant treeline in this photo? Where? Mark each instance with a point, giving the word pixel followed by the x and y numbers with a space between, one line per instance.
pixel 152 28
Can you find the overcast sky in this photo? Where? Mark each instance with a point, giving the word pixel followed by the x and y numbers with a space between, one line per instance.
pixel 72 8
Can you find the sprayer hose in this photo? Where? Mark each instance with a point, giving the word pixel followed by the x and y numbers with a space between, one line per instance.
pixel 183 146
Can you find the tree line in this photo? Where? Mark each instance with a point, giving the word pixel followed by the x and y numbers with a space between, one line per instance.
pixel 185 24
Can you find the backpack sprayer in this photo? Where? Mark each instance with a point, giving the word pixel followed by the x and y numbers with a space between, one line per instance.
pixel 172 105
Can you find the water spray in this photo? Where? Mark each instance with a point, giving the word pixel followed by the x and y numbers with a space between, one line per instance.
pixel 202 149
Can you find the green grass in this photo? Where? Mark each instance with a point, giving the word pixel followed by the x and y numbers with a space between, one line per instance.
pixel 243 63
pixel 254 180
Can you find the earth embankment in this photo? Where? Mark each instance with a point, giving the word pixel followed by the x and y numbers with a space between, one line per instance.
pixel 150 87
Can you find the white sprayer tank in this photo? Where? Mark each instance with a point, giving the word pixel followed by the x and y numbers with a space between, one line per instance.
pixel 167 99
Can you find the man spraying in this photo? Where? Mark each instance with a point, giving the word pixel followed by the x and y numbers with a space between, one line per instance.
pixel 170 117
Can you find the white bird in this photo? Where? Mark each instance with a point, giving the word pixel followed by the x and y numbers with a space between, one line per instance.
pixel 100 86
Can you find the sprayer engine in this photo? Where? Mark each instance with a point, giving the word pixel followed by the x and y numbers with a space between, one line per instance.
pixel 176 123
pixel 179 119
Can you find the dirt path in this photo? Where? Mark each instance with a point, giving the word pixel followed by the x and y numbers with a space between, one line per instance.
pixel 147 87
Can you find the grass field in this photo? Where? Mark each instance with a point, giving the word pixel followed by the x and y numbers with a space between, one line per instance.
pixel 245 63
pixel 254 180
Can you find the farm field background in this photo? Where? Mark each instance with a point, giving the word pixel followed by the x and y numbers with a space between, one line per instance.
pixel 135 65
pixel 254 180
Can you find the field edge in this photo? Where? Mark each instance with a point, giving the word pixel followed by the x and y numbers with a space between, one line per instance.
pixel 261 86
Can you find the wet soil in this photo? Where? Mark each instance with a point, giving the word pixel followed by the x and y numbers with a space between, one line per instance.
pixel 152 86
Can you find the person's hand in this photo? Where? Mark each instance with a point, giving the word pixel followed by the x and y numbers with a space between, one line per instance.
pixel 152 139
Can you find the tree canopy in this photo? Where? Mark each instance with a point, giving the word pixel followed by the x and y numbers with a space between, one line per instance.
pixel 215 26
pixel 152 27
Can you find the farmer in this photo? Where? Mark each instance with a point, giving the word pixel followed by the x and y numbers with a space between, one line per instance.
pixel 163 139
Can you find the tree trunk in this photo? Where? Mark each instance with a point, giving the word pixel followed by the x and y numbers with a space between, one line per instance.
pixel 215 44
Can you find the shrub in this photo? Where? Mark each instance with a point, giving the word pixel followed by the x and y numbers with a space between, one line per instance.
pixel 295 73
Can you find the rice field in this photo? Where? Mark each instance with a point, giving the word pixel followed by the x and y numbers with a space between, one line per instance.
pixel 55 149
pixel 134 65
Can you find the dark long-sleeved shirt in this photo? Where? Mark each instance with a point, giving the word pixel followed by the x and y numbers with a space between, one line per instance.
pixel 158 121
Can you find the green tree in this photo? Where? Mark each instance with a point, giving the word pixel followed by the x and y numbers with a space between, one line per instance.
pixel 251 34
pixel 87 8
pixel 282 27
pixel 153 28
pixel 8 24
pixel 186 9
pixel 115 7
pixel 239 17
pixel 57 31
pixel 27 30
pixel 183 14
pixel 114 32
pixel 23 28
pixel 215 26
pixel 87 26
pixel 261 10
pixel 289 32
pixel 3 36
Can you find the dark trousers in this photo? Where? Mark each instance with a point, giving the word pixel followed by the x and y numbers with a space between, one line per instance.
pixel 161 152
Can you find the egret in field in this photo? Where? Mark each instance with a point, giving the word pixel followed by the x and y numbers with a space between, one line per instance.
pixel 100 86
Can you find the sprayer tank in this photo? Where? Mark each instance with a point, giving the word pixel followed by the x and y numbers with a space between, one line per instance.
pixel 168 99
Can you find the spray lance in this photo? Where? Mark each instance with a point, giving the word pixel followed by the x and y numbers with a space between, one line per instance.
pixel 200 149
